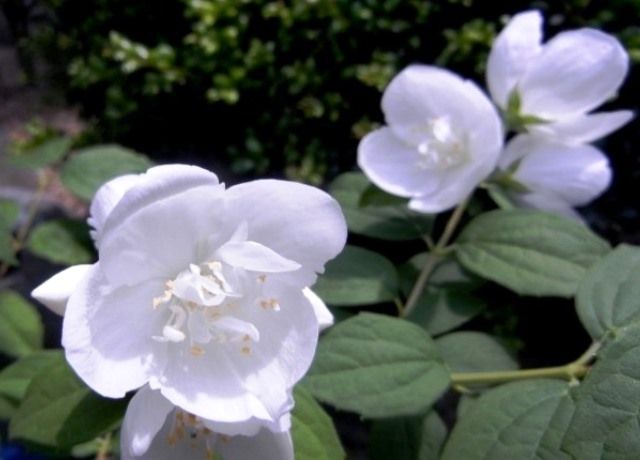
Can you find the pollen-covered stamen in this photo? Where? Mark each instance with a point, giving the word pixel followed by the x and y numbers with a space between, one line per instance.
pixel 439 145
pixel 189 428
pixel 204 303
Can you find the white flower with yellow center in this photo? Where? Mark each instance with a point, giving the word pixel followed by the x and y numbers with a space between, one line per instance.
pixel 155 429
pixel 443 138
pixel 200 291
pixel 552 87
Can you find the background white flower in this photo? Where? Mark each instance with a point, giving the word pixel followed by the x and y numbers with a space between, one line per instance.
pixel 444 137
pixel 200 291
pixel 557 177
pixel 155 429
pixel 560 81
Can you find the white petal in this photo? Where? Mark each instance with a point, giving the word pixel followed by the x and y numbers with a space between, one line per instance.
pixel 299 222
pixel 512 51
pixel 55 292
pixel 583 129
pixel 252 426
pixel 106 198
pixel 576 72
pixel 420 93
pixel 264 446
pixel 107 333
pixel 145 416
pixel 229 386
pixel 546 202
pixel 163 224
pixel 325 318
pixel 255 257
pixel 576 174
pixel 456 185
pixel 393 166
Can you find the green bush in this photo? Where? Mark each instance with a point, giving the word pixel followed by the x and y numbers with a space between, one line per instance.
pixel 272 86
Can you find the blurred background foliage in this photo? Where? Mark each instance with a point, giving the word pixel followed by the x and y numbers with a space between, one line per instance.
pixel 262 86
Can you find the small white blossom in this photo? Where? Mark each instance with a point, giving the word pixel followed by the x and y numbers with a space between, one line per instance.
pixel 155 429
pixel 552 87
pixel 443 138
pixel 200 291
pixel 556 177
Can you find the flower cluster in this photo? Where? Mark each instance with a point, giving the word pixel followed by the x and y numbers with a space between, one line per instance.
pixel 444 136
pixel 201 298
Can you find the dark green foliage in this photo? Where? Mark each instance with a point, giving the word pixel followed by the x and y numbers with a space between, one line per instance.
pixel 272 86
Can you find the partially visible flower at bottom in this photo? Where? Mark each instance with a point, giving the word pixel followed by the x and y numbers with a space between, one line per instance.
pixel 554 176
pixel 155 429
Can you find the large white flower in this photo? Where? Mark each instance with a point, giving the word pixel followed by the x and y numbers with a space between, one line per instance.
pixel 554 86
pixel 200 291
pixel 556 177
pixel 444 137
pixel 155 429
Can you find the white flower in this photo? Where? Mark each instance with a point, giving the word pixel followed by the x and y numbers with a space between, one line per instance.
pixel 556 177
pixel 554 86
pixel 155 429
pixel 200 291
pixel 444 137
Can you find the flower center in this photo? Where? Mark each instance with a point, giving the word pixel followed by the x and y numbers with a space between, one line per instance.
pixel 204 305
pixel 186 427
pixel 440 146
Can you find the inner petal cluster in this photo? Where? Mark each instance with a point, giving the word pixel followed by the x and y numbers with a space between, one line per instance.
pixel 440 146
pixel 206 304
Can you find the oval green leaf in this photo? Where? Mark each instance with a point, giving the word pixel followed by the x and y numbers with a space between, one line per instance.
pixel 609 295
pixel 530 252
pixel 21 330
pixel 378 366
pixel 49 152
pixel 357 277
pixel 61 241
pixel 606 422
pixel 514 421
pixel 89 168
pixel 312 430
pixel 370 215
pixel 407 438
pixel 59 411
pixel 469 351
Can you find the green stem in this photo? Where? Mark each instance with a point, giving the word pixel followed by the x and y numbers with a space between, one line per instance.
pixel 572 371
pixel 433 258
pixel 105 447
pixel 34 205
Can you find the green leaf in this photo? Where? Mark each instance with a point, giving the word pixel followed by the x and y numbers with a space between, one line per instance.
pixel 89 168
pixel 514 421
pixel 9 212
pixel 606 422
pixel 609 295
pixel 15 378
pixel 312 430
pixel 500 197
pixel 8 408
pixel 59 411
pixel 47 153
pixel 21 330
pixel 469 351
pixel 372 214
pixel 61 241
pixel 530 252
pixel 448 300
pixel 378 366
pixel 407 438
pixel 357 277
